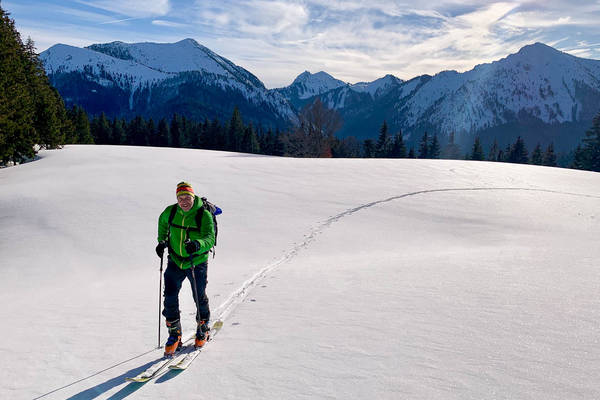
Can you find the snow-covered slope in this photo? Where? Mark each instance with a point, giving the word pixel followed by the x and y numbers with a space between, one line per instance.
pixel 127 74
pixel 307 86
pixel 538 81
pixel 158 79
pixel 185 55
pixel 378 86
pixel 384 279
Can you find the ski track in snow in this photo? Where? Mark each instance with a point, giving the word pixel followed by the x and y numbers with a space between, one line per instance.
pixel 238 296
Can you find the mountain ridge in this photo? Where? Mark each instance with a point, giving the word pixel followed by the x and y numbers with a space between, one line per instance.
pixel 537 88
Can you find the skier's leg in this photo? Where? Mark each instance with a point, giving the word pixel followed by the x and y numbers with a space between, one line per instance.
pixel 173 279
pixel 199 278
pixel 200 273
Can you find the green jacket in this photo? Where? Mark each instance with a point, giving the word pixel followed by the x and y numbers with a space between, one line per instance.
pixel 187 219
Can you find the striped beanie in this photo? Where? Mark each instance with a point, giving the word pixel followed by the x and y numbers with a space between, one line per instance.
pixel 184 188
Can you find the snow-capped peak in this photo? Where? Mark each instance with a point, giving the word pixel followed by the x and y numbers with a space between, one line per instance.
pixel 378 86
pixel 135 67
pixel 309 85
pixel 185 55
pixel 539 81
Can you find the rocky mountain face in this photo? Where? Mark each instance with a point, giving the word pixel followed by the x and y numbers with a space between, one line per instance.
pixel 539 93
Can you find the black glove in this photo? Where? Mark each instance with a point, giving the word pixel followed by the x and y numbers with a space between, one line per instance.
pixel 191 246
pixel 160 248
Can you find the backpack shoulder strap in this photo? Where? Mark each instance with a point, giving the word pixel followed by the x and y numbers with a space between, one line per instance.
pixel 172 214
pixel 199 215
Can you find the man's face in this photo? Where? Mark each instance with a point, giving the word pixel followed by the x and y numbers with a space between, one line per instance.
pixel 185 201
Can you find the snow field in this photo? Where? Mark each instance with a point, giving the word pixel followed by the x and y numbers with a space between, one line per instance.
pixel 377 289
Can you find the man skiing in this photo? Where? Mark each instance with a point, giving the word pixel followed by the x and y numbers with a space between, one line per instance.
pixel 187 230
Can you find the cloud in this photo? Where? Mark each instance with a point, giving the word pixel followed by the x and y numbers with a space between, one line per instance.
pixel 131 8
pixel 354 40
pixel 117 21
pixel 358 40
pixel 169 24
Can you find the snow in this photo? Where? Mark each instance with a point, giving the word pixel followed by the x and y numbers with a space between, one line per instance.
pixel 182 56
pixel 539 80
pixel 377 87
pixel 314 84
pixel 415 279
pixel 153 63
pixel 65 58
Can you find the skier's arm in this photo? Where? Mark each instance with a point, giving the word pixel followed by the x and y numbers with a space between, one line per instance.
pixel 207 233
pixel 163 225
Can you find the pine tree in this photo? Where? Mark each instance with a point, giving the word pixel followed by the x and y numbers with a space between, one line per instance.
pixel 477 151
pixel 119 132
pixel 494 154
pixel 250 141
pixel 591 146
pixel 518 152
pixel 235 131
pixel 424 146
pixel 368 148
pixel 398 147
pixel 163 133
pixel 175 130
pixel 451 150
pixel 348 147
pixel 549 156
pixel 411 153
pixel 501 156
pixel 279 148
pixel 136 130
pixel 49 119
pixel 17 106
pixel 101 130
pixel 382 149
pixel 536 156
pixel 82 126
pixel 434 148
pixel 151 132
pixel 579 158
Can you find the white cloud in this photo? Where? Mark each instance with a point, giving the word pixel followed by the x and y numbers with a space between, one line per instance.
pixel 131 8
pixel 169 24
pixel 354 40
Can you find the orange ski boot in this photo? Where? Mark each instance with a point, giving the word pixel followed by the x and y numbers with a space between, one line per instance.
pixel 202 334
pixel 174 340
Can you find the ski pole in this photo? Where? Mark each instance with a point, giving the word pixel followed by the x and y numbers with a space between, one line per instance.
pixel 195 289
pixel 160 296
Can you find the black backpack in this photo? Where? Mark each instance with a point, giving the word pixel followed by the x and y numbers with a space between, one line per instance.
pixel 206 205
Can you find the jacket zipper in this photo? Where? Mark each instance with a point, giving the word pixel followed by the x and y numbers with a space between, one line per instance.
pixel 182 239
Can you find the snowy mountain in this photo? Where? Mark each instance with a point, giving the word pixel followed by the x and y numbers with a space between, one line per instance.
pixel 378 87
pixel 473 280
pixel 156 80
pixel 307 86
pixel 539 93
pixel 537 83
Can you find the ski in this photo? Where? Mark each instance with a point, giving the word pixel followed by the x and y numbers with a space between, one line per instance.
pixel 159 366
pixel 152 371
pixel 183 361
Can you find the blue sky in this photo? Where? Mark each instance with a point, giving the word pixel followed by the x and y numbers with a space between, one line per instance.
pixel 352 40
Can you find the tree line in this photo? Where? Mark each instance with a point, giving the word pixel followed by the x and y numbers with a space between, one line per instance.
pixel 32 112
pixel 178 131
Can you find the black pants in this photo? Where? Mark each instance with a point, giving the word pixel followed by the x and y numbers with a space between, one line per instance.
pixel 174 277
